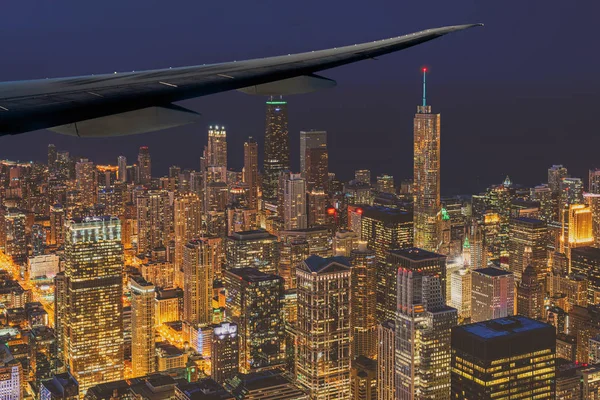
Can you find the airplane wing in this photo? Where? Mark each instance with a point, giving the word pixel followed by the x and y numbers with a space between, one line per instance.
pixel 137 102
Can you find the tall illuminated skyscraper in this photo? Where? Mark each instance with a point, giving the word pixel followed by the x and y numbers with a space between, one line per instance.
pixel 197 282
pixel 580 227
pixel 556 174
pixel 85 178
pixel 492 294
pixel 254 303
pixel 143 356
pixel 277 148
pixel 122 168
pixel 460 292
pixel 426 186
pixel 16 237
pixel 530 300
pixel 423 326
pixel 11 375
pixel 385 184
pixel 187 222
pixel 216 153
pixel 527 246
pixel 51 158
pixel 294 202
pixel 363 299
pixel 386 360
pixel 144 166
pixel 323 346
pixel 251 171
pixel 317 169
pixel 225 358
pixel 154 219
pixel 93 313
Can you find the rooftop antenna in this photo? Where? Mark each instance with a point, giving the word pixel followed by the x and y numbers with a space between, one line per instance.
pixel 424 87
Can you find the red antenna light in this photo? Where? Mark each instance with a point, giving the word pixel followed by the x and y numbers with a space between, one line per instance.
pixel 424 69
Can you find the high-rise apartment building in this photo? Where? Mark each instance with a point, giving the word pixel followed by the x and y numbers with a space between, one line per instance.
pixel 144 166
pixel 323 350
pixel 411 259
pixel 52 158
pixel 492 294
pixel 154 216
pixel 423 326
pixel 294 202
pixel 363 302
pixel 363 175
pixel 310 140
pixel 585 261
pixel 224 353
pixel 317 169
pixel 254 303
pixel 197 282
pixel 594 181
pixel 511 357
pixel 385 184
pixel 385 229
pixel 16 236
pixel 85 178
pixel 426 183
pixel 256 249
pixel 251 171
pixel 187 222
pixel 363 379
pixel 277 148
pixel 530 299
pixel 386 360
pixel 93 310
pixel 527 246
pixel 143 353
pixel 11 375
pixel 556 174
pixel 122 169
pixel 592 200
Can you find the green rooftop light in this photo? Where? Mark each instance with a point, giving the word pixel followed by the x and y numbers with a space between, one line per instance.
pixel 276 102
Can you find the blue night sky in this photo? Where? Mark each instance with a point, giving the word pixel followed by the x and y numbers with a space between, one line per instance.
pixel 515 97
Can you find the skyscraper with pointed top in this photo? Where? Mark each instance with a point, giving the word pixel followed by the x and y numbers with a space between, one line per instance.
pixel 426 188
pixel 277 147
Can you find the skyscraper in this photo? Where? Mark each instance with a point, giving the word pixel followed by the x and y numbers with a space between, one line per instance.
pixel 363 379
pixel 530 300
pixel 510 357
pixel 93 313
pixel 426 186
pixel 122 168
pixel 257 249
pixel 224 353
pixel 187 222
pixel 527 246
pixel 294 202
pixel 323 327
pixel 317 169
pixel 143 356
pixel 310 140
pixel 197 282
pixel 411 259
pixel 556 174
pixel 492 294
pixel 386 360
pixel 216 154
pixel 251 171
pixel 385 184
pixel 254 303
pixel 277 148
pixel 11 375
pixel 144 165
pixel 585 261
pixel 85 177
pixel 51 158
pixel 594 182
pixel 363 300
pixel 423 325
pixel 154 219
pixel 363 175
pixel 580 228
pixel 460 292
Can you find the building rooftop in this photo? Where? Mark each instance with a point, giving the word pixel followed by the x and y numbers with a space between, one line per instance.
pixel 170 293
pixel 495 328
pixel 531 221
pixel 416 254
pixel 252 274
pixel 252 235
pixel 317 264
pixel 587 251
pixel 491 271
pixel 386 214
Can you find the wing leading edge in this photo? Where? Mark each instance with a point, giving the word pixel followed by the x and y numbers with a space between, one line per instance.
pixel 118 104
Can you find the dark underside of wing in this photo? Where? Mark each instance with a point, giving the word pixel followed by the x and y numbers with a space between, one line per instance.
pixel 136 102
